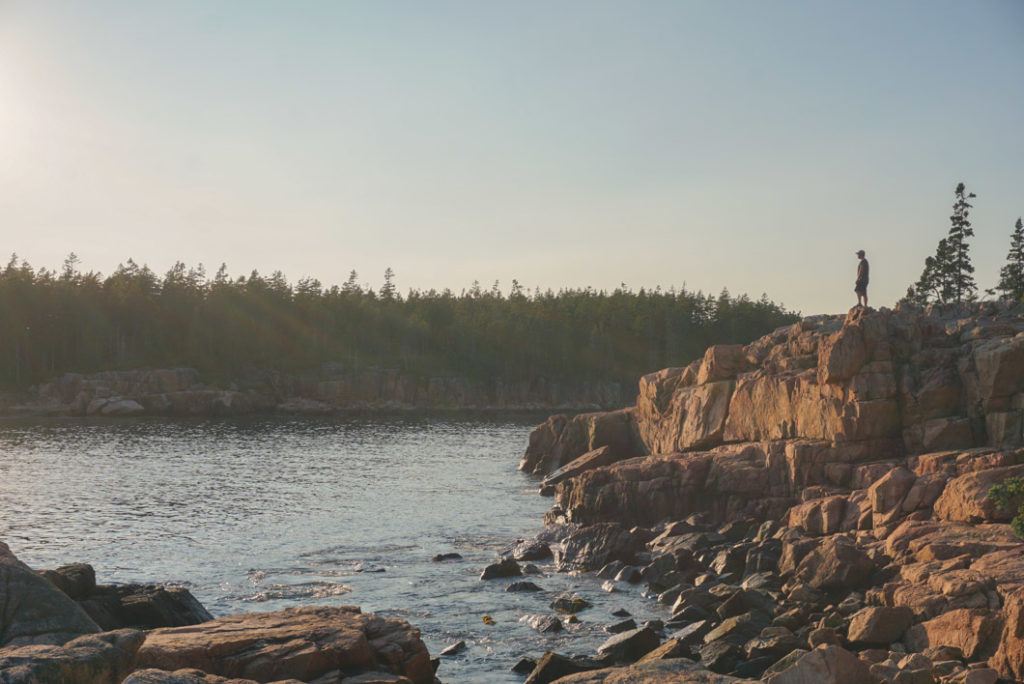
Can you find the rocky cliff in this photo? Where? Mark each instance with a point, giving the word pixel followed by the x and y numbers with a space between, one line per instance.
pixel 180 392
pixel 868 442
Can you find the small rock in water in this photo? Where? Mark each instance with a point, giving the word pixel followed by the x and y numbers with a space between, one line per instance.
pixel 488 620
pixel 620 627
pixel 505 568
pixel 621 612
pixel 529 550
pixel 455 648
pixel 543 623
pixel 525 666
pixel 573 620
pixel 441 557
pixel 630 574
pixel 610 570
pixel 531 569
pixel 609 586
pixel 363 567
pixel 522 586
pixel 564 604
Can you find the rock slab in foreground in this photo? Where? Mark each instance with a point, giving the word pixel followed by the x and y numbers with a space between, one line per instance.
pixel 93 659
pixel 299 643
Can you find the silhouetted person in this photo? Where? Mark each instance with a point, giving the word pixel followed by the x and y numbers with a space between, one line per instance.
pixel 861 286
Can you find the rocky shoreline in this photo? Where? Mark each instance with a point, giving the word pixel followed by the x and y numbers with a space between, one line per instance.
pixel 813 506
pixel 181 392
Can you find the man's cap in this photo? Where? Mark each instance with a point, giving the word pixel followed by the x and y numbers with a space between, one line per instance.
pixel 860 252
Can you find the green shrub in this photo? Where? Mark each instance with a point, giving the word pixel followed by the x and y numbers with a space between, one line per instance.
pixel 1008 495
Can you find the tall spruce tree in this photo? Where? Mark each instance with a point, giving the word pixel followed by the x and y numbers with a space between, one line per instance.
pixel 1011 276
pixel 947 275
pixel 958 267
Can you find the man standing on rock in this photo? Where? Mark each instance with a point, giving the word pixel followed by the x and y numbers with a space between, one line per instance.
pixel 861 286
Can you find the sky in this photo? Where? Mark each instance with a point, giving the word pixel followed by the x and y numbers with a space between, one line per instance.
pixel 746 145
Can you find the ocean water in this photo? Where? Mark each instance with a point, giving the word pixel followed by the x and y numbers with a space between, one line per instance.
pixel 261 514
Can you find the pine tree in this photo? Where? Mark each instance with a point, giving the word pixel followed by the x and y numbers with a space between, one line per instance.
pixel 1011 276
pixel 388 289
pixel 958 268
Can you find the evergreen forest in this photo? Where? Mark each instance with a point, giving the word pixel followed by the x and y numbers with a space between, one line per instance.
pixel 53 322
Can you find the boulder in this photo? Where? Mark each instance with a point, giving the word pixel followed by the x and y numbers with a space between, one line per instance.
pixel 143 606
pixel 827 664
pixel 974 631
pixel 965 498
pixel 103 658
pixel 1009 658
pixel 186 676
pixel 594 546
pixel 553 666
pixel 77 580
pixel 34 611
pixel 835 565
pixel 629 646
pixel 506 567
pixel 299 643
pixel 879 625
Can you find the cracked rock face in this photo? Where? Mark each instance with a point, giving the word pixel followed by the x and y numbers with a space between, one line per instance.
pixel 869 444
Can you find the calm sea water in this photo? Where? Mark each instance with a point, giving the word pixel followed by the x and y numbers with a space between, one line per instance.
pixel 260 514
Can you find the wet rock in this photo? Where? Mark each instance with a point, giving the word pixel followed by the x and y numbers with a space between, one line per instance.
pixel 553 666
pixel 621 612
pixel 630 646
pixel 619 627
pixel 543 623
pixel 143 606
pixel 34 611
pixel 442 557
pixel 570 605
pixel 879 625
pixel 504 568
pixel 525 666
pixel 90 659
pixel 522 586
pixel 630 574
pixel 299 643
pixel 526 550
pixel 609 587
pixel 594 546
pixel 454 649
pixel 610 570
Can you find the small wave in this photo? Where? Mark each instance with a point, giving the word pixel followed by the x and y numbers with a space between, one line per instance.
pixel 309 590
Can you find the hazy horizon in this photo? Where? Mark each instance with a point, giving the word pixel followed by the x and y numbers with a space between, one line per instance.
pixel 743 145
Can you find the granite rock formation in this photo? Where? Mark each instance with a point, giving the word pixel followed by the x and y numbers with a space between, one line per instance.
pixel 843 465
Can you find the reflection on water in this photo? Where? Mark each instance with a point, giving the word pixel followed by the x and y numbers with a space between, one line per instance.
pixel 260 514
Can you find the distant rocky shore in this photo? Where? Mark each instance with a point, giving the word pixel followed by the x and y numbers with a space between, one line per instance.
pixel 812 506
pixel 181 392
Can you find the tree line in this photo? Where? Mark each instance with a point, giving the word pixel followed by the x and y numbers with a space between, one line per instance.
pixel 229 328
pixel 948 276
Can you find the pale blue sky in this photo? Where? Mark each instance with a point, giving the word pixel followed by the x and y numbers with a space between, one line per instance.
pixel 753 145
